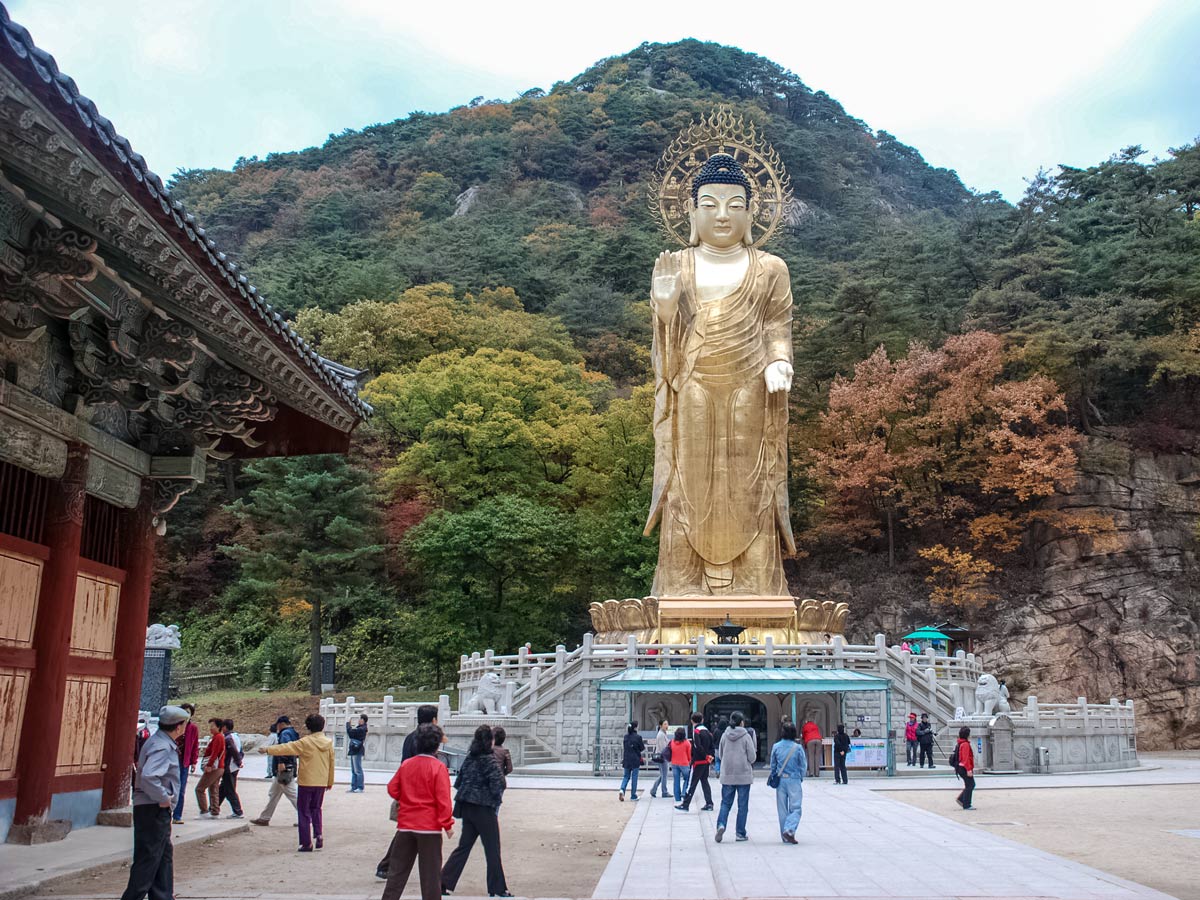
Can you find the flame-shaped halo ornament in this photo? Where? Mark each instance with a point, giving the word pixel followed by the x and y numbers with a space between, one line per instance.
pixel 719 132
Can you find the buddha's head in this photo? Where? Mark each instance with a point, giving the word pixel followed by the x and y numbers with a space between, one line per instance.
pixel 721 196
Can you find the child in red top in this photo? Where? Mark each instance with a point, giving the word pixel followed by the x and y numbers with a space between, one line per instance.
pixel 421 788
pixel 680 750
pixel 213 767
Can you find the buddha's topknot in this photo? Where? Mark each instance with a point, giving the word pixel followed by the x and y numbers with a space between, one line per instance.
pixel 721 168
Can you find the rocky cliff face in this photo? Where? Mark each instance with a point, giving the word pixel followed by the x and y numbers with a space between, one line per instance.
pixel 1118 617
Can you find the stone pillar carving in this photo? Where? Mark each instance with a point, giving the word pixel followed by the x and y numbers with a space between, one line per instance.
pixel 42 725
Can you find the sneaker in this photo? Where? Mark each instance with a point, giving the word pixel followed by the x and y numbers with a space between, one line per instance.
pixel 303 849
pixel 789 838
pixel 634 797
pixel 263 822
pixel 682 807
pixel 720 834
pixel 320 842
pixel 706 808
pixel 381 875
pixel 958 800
pixel 968 808
pixel 621 796
pixel 742 837
pixel 235 816
pixel 177 821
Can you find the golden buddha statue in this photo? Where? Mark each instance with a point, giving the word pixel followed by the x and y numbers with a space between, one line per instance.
pixel 722 355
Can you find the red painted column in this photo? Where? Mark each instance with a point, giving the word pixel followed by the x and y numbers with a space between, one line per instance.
pixel 42 725
pixel 129 650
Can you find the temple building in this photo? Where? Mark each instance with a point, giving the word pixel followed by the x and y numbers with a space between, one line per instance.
pixel 132 353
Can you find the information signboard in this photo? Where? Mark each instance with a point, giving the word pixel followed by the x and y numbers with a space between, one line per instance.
pixel 867 753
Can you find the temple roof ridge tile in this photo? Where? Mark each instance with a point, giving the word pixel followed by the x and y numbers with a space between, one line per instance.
pixel 46 69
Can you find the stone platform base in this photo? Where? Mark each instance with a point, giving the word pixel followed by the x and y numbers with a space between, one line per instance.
pixel 117 818
pixel 42 833
pixel 680 620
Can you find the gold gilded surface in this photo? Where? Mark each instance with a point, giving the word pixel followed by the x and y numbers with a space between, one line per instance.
pixel 722 356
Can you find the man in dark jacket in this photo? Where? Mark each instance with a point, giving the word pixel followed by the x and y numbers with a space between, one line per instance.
pixel 925 739
pixel 702 754
pixel 283 784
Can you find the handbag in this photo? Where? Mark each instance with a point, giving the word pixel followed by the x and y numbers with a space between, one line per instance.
pixel 773 779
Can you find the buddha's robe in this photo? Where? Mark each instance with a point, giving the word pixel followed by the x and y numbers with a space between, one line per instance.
pixel 720 439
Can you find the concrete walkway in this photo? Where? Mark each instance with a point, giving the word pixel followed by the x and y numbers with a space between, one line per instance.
pixel 24 870
pixel 853 842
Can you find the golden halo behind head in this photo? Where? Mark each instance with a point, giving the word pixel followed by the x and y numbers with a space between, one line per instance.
pixel 719 132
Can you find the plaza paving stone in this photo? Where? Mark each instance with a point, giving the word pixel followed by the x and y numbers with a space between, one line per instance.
pixel 853 842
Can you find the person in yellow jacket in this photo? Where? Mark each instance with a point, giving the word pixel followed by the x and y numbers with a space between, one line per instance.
pixel 315 778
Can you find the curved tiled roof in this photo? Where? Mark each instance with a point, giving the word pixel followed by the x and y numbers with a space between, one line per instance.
pixel 43 66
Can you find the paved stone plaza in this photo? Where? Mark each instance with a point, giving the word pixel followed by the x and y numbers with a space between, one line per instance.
pixel 858 841
pixel 853 842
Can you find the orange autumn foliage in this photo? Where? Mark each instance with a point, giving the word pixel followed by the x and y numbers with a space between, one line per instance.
pixel 939 448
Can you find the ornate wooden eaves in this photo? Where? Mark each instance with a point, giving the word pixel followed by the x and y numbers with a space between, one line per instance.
pixel 185 275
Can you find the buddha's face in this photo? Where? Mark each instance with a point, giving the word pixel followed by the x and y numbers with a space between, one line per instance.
pixel 722 215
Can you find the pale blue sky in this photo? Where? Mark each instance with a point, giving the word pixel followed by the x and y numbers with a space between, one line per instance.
pixel 991 90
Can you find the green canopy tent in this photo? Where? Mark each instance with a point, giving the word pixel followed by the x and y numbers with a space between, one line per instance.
pixel 926 634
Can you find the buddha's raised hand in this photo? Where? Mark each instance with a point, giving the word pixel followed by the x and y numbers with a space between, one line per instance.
pixel 666 285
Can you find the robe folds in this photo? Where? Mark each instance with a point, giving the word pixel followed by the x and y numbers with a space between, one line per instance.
pixel 720 439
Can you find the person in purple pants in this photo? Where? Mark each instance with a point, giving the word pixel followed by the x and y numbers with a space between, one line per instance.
pixel 315 752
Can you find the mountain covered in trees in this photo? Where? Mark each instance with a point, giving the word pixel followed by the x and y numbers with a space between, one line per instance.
pixel 488 266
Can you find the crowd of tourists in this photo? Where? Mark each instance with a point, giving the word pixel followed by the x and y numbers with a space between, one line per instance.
pixel 302 770
pixel 683 761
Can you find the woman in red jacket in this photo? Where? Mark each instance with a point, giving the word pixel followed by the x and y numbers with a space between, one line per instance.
pixel 965 767
pixel 421 787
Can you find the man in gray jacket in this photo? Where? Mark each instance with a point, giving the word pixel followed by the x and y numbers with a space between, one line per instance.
pixel 738 752
pixel 154 797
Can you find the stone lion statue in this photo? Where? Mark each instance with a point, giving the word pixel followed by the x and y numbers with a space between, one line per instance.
pixel 989 698
pixel 165 637
pixel 487 697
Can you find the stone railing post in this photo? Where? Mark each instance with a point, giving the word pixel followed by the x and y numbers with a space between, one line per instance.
pixel 839 652
pixel 586 656
pixel 388 700
pixel 535 681
pixel 931 682
pixel 769 657
pixel 560 664
pixel 631 653
pixel 443 707
pixel 734 662
pixel 349 709
pixel 506 698
pixel 881 654
pixel 701 652
pixel 522 660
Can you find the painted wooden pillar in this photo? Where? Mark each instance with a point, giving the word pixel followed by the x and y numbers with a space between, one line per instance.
pixel 138 546
pixel 42 723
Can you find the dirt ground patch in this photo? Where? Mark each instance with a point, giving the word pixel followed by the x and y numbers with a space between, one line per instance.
pixel 546 852
pixel 1126 831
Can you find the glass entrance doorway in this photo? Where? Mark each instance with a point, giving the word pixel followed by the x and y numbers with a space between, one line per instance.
pixel 754 711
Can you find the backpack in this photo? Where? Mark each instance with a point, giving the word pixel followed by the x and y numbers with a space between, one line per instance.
pixel 954 757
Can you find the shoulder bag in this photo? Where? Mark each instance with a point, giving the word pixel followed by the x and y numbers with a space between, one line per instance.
pixel 774 778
